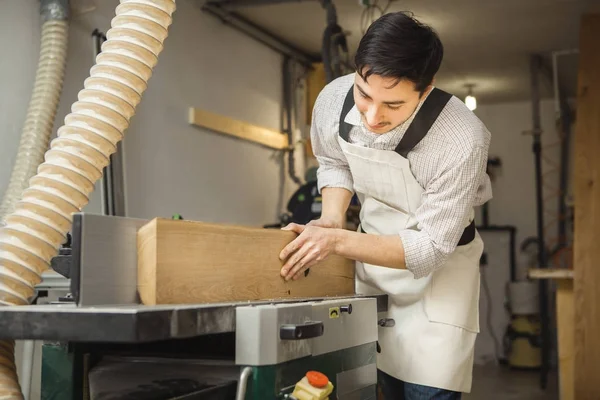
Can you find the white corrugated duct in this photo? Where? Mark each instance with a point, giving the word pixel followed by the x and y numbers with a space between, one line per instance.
pixel 37 225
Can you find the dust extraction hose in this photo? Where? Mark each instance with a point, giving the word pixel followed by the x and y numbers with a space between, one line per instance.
pixel 37 227
pixel 44 101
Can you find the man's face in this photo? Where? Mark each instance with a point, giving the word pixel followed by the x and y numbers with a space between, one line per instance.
pixel 385 103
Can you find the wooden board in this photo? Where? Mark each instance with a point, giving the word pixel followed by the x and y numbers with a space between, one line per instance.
pixel 189 262
pixel 565 318
pixel 240 129
pixel 587 213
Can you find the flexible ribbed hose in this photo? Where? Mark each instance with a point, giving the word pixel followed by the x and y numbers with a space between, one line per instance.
pixel 41 219
pixel 41 111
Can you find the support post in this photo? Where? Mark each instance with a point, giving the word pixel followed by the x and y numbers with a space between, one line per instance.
pixel 587 213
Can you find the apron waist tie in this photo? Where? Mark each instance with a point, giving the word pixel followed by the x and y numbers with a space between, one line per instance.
pixel 466 238
pixel 468 234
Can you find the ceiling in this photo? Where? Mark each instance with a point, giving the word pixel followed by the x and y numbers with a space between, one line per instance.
pixel 487 43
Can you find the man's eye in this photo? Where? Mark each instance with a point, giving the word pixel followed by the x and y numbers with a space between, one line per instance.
pixel 394 107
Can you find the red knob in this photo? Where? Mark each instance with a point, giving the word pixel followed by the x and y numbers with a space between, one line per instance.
pixel 317 379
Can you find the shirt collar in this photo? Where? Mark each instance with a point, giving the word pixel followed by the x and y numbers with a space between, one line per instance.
pixel 353 116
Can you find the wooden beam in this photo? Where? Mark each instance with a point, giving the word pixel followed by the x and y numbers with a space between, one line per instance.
pixel 551 273
pixel 565 319
pixel 188 262
pixel 240 129
pixel 587 214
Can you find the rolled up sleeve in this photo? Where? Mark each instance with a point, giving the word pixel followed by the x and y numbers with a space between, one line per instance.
pixel 444 212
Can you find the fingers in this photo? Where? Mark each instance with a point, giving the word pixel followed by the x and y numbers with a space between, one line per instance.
pixel 300 264
pixel 293 263
pixel 294 228
pixel 304 268
pixel 293 246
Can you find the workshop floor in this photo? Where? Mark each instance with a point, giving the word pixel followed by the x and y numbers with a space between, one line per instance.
pixel 495 382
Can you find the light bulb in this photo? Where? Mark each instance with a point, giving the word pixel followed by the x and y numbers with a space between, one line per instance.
pixel 471 102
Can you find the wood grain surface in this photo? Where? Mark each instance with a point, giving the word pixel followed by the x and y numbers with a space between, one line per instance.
pixel 240 129
pixel 587 214
pixel 189 262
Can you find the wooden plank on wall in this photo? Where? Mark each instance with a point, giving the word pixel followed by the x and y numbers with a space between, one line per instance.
pixel 189 262
pixel 587 213
pixel 240 129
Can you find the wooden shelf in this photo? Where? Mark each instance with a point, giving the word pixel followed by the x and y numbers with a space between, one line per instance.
pixel 240 129
pixel 551 273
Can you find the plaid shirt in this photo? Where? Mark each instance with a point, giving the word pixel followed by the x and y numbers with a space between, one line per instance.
pixel 449 163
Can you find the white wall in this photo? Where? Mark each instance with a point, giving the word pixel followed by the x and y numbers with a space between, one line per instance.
pixel 171 167
pixel 513 204
pixel 514 186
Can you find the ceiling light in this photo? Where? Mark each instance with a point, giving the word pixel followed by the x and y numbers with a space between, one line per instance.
pixel 470 100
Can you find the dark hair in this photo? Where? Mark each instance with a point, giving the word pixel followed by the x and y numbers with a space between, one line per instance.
pixel 398 46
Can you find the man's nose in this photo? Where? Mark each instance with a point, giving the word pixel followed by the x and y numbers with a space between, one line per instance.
pixel 374 115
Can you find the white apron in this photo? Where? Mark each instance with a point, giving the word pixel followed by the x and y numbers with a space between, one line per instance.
pixel 436 318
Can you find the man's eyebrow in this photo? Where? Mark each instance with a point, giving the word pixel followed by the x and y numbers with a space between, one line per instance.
pixel 394 103
pixel 389 103
pixel 362 91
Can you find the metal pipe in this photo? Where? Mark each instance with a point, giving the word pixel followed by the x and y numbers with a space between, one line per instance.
pixel 243 383
pixel 289 120
pixel 54 10
pixel 535 65
pixel 555 82
pixel 252 3
pixel 566 118
pixel 260 34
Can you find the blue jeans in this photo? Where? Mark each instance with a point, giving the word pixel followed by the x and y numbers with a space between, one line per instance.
pixel 390 388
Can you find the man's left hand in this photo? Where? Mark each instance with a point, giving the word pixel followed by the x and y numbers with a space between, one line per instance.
pixel 314 244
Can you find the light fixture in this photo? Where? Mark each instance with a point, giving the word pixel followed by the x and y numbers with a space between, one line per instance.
pixel 470 100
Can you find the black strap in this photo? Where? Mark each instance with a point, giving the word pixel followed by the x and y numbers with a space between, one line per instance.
pixel 428 113
pixel 468 234
pixel 345 127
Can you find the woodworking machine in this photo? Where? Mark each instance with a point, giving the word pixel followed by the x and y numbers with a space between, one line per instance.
pixel 101 343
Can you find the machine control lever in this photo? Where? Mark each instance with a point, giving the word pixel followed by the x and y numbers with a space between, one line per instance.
pixel 346 309
pixel 308 330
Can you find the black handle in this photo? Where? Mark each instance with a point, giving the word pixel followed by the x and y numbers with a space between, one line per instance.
pixel 308 330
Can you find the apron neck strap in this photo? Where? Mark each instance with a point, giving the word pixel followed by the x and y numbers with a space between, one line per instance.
pixel 428 113
pixel 345 127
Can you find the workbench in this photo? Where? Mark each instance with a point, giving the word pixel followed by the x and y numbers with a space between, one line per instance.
pixel 565 318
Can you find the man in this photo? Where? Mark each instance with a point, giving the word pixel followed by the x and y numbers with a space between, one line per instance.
pixel 416 157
